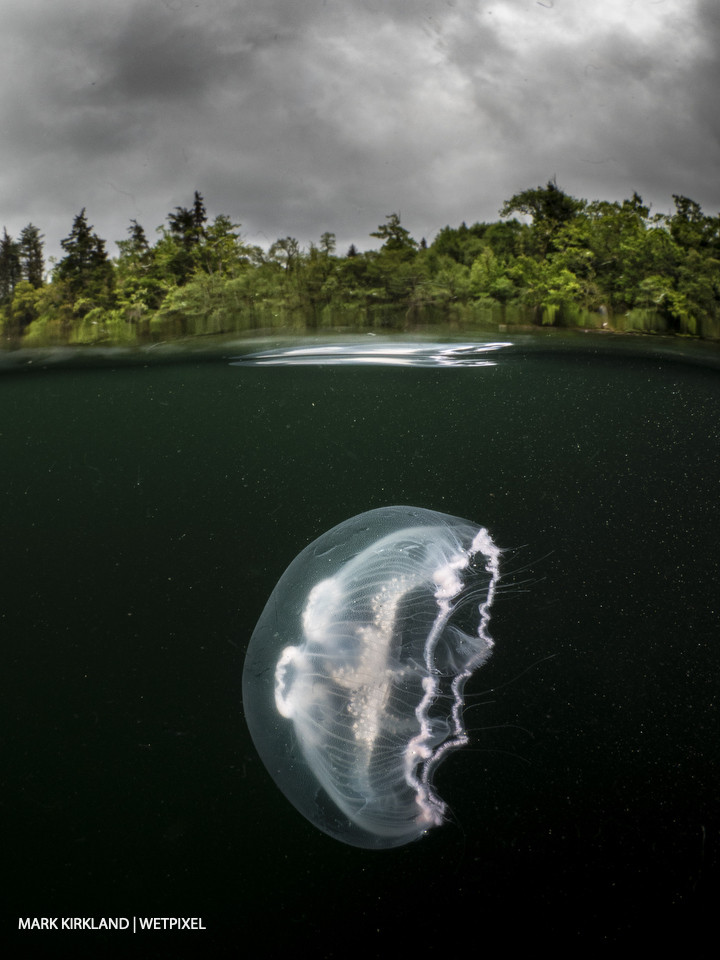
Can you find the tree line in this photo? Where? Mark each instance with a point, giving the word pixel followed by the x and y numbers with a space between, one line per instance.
pixel 568 262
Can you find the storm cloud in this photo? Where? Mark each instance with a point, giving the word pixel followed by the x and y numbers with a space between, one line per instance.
pixel 295 118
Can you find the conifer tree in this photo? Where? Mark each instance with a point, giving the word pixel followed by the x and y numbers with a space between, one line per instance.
pixel 187 228
pixel 85 267
pixel 10 273
pixel 31 255
pixel 199 217
pixel 136 251
pixel 188 224
pixel 328 243
pixel 223 250
pixel 394 235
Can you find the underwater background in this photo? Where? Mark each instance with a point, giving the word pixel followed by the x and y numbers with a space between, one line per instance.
pixel 150 501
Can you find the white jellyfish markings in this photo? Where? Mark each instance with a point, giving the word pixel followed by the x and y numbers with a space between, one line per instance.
pixel 371 686
pixel 418 752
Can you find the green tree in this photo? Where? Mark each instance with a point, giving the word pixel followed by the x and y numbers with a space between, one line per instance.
pixel 506 238
pixel 462 243
pixel 181 256
pixel 141 287
pixel 549 207
pixel 135 252
pixel 394 236
pixel 552 289
pixel 10 271
pixel 543 204
pixel 286 252
pixel 691 228
pixel 395 274
pixel 448 280
pixel 85 269
pixel 188 223
pixel 617 237
pixel 327 244
pixel 489 279
pixel 32 262
pixel 318 284
pixel 222 251
pixel 25 302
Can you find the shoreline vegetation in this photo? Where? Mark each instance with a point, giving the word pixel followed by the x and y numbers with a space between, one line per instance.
pixel 570 263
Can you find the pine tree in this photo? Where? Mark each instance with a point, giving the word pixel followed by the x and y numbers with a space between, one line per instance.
pixel 223 251
pixel 187 228
pixel 328 242
pixel 85 267
pixel 188 224
pixel 138 240
pixel 199 217
pixel 136 251
pixel 10 273
pixel 181 226
pixel 395 236
pixel 31 255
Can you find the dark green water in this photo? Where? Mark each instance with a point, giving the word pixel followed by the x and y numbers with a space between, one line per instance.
pixel 148 508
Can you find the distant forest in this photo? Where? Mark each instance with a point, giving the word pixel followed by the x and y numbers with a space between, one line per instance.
pixel 570 263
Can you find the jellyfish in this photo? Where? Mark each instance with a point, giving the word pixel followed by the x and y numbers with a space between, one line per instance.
pixel 354 675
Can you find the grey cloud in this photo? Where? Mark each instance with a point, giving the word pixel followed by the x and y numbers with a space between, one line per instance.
pixel 158 56
pixel 706 78
pixel 300 116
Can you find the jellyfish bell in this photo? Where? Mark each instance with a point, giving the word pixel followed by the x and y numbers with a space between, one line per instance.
pixel 354 675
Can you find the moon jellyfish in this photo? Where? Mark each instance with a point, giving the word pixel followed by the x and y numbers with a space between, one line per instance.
pixel 354 676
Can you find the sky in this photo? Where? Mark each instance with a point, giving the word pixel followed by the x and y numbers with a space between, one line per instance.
pixel 297 117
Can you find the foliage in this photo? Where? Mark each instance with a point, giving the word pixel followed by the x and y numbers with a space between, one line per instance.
pixel 570 262
pixel 32 263
pixel 21 273
pixel 394 236
pixel 86 270
pixel 10 271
